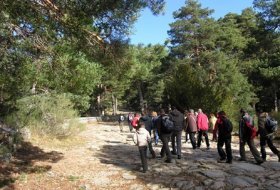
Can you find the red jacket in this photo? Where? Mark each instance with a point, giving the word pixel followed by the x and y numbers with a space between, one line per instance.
pixel 202 122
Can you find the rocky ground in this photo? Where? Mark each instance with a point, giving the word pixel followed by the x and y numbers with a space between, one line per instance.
pixel 109 160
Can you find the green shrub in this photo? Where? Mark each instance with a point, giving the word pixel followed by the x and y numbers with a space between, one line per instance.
pixel 46 114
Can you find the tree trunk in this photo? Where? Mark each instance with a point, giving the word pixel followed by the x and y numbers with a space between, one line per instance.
pixel 275 101
pixel 99 105
pixel 33 90
pixel 141 98
pixel 114 104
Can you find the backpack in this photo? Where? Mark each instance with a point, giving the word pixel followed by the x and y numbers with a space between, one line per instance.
pixel 228 125
pixel 134 122
pixel 167 124
pixel 271 125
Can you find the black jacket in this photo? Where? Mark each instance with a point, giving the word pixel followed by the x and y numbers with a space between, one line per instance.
pixel 178 120
pixel 224 127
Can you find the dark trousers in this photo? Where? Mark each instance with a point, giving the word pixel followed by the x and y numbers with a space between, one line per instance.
pixel 252 147
pixel 193 140
pixel 176 138
pixel 269 141
pixel 143 156
pixel 205 134
pixel 165 138
pixel 228 154
pixel 187 136
pixel 130 126
pixel 151 149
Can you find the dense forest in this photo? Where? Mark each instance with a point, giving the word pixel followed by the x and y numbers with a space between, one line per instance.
pixel 64 58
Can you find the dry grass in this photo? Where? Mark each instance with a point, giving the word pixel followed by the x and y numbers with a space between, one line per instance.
pixel 54 143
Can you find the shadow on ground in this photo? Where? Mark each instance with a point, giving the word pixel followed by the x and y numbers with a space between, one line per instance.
pixel 163 174
pixel 24 162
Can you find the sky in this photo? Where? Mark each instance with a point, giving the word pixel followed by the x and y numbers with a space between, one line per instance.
pixel 150 29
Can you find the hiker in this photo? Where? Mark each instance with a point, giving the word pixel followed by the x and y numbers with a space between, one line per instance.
pixel 147 119
pixel 224 126
pixel 129 120
pixel 178 119
pixel 265 136
pixel 164 137
pixel 142 138
pixel 186 113
pixel 155 131
pixel 191 127
pixel 121 122
pixel 212 123
pixel 135 121
pixel 202 126
pixel 247 135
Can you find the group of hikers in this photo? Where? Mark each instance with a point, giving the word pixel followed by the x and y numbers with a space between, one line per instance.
pixel 169 125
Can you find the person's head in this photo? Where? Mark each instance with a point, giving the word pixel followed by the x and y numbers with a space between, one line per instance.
pixel 161 111
pixel 199 110
pixel 154 114
pixel 221 114
pixel 141 122
pixel 191 111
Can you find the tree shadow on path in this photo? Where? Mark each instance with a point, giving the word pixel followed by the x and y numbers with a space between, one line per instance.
pixel 126 156
pixel 24 162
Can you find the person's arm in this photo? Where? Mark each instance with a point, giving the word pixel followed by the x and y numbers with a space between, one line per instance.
pixel 198 122
pixel 135 139
pixel 158 123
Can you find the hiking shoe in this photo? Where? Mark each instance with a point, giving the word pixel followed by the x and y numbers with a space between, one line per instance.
pixel 168 161
pixel 208 148
pixel 221 160
pixel 179 157
pixel 242 159
pixel 154 155
pixel 229 161
pixel 173 152
pixel 259 162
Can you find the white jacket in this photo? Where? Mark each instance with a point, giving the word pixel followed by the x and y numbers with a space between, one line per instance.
pixel 141 137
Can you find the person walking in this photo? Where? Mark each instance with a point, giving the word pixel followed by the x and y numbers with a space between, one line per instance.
pixel 147 120
pixel 186 113
pixel 121 122
pixel 191 127
pixel 142 138
pixel 224 126
pixel 135 121
pixel 213 128
pixel 129 120
pixel 265 136
pixel 247 135
pixel 178 120
pixel 155 131
pixel 164 136
pixel 202 126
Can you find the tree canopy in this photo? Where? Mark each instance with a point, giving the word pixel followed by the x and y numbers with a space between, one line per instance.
pixel 82 49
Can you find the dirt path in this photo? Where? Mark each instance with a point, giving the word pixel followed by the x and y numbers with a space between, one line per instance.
pixel 107 159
